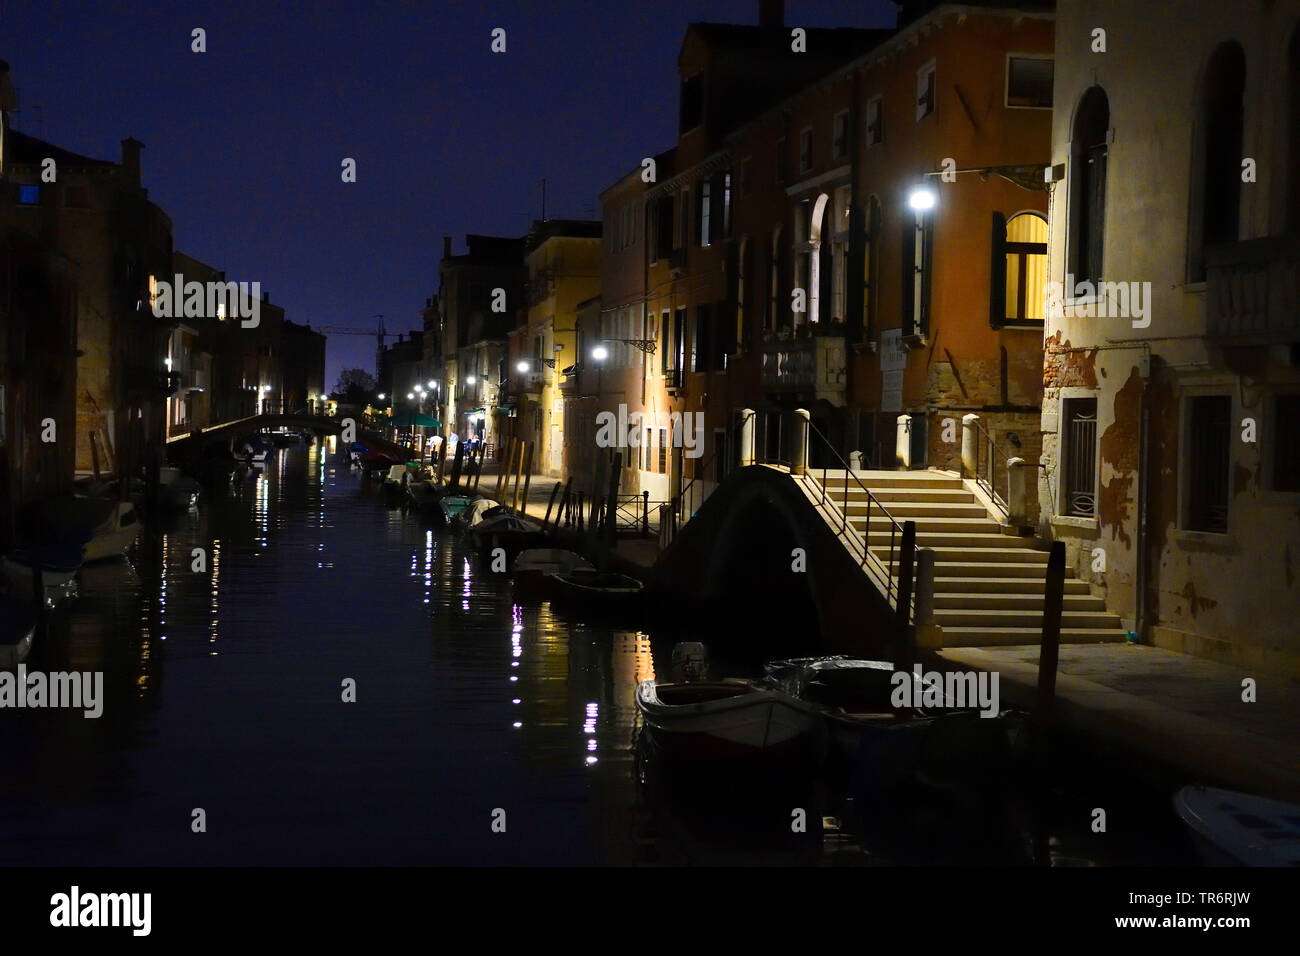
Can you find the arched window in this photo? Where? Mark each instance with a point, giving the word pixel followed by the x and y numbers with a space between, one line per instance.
pixel 1088 156
pixel 1216 178
pixel 813 269
pixel 1018 270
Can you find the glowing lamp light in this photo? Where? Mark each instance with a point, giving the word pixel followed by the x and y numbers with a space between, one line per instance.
pixel 599 353
pixel 432 383
pixel 410 395
pixel 922 198
pixel 522 366
pixel 381 396
pixel 470 380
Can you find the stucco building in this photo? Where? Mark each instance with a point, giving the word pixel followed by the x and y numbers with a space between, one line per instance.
pixel 1170 462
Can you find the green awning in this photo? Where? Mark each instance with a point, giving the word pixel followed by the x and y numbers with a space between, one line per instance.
pixel 406 419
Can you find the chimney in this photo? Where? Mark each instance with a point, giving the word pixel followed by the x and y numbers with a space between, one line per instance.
pixel 771 13
pixel 131 159
pixel 446 247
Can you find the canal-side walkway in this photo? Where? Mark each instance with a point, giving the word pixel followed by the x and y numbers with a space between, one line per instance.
pixel 1183 711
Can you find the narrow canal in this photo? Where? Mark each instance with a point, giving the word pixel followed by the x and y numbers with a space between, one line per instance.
pixel 224 692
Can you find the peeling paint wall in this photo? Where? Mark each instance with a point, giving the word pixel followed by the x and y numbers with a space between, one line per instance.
pixel 1233 596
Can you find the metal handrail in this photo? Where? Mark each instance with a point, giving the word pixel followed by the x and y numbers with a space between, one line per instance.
pixel 679 499
pixel 895 528
pixel 984 477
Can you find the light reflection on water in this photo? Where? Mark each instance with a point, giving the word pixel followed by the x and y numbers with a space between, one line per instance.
pixel 224 691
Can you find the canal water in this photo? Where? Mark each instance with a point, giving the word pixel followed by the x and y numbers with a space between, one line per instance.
pixel 482 732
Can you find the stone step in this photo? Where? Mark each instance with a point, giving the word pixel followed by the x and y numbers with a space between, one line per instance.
pixel 1007 601
pixel 952 539
pixel 914 511
pixel 899 480
pixel 967 567
pixel 1026 585
pixel 906 495
pixel 1028 618
pixel 1001 557
pixel 932 525
pixel 1003 636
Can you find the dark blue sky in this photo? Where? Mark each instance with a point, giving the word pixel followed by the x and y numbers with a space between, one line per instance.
pixel 243 143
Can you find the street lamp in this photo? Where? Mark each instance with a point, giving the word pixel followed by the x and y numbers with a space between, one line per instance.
pixel 381 396
pixel 922 198
pixel 600 353
pixel 470 380
pixel 523 367
pixel 410 395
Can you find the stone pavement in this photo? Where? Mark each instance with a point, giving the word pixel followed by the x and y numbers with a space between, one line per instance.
pixel 1181 710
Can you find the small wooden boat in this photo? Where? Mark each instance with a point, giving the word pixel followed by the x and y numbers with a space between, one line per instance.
pixel 723 718
pixel 478 511
pixel 532 566
pixel 424 496
pixel 596 593
pixel 254 448
pixel 452 507
pixel 1238 829
pixel 177 492
pixel 940 747
pixel 17 630
pixel 115 534
pixel 509 532
pixel 59 563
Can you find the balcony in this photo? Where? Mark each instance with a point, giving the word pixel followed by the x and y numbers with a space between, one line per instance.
pixel 1253 291
pixel 814 367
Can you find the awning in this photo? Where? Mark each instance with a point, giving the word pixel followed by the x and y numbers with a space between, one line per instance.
pixel 407 419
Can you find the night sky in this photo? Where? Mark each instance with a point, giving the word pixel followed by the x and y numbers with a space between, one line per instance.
pixel 243 143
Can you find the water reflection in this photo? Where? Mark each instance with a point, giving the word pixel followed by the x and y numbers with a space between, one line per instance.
pixel 465 702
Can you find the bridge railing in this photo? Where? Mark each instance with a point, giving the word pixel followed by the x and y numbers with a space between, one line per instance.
pixel 885 571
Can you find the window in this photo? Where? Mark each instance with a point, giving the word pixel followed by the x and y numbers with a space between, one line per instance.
pixel 1079 457
pixel 29 195
pixel 925 80
pixel 645 451
pixel 1286 443
pixel 875 124
pixel 840 135
pixel 1209 438
pixel 871 242
pixel 692 104
pixel 805 150
pixel 918 244
pixel 1029 82
pixel 704 211
pixel 662 215
pixel 1088 156
pixel 1019 270
pixel 663 451
pixel 1216 179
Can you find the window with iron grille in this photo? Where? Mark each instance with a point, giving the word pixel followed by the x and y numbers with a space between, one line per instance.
pixel 1286 443
pixel 1079 457
pixel 1209 441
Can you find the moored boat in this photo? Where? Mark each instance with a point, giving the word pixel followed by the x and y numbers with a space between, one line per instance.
pixel 59 563
pixel 597 593
pixel 115 534
pixel 723 718
pixel 1240 829
pixel 17 630
pixel 533 565
pixel 451 508
pixel 508 532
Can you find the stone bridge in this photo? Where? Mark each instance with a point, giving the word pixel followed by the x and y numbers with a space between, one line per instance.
pixel 190 446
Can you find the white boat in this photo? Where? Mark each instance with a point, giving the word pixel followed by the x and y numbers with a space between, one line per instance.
pixel 721 718
pixel 1239 829
pixel 114 535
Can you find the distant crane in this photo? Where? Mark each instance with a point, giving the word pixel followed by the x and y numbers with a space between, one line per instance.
pixel 380 334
